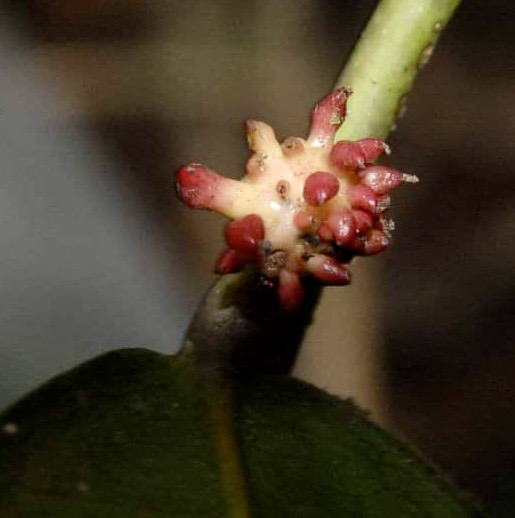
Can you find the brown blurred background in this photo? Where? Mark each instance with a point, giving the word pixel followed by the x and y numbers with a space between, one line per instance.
pixel 425 336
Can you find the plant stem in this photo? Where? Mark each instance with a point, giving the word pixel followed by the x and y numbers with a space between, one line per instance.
pixel 395 45
pixel 240 327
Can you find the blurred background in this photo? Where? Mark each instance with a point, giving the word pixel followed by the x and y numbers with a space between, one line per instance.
pixel 101 100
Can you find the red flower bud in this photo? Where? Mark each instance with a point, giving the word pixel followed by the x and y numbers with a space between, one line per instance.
pixel 304 206
pixel 245 234
pixel 320 187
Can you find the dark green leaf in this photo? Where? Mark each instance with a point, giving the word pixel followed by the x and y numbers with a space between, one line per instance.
pixel 129 434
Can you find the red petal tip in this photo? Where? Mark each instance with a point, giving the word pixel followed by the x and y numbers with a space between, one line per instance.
pixel 320 187
pixel 197 186
pixel 327 117
pixel 364 221
pixel 373 148
pixel 328 270
pixel 347 155
pixel 373 243
pixel 245 234
pixel 362 197
pixel 343 225
pixel 291 293
pixel 381 179
pixel 303 220
pixel 325 233
pixel 230 261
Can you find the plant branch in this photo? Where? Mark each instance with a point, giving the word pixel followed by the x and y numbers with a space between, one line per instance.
pixel 239 327
pixel 396 44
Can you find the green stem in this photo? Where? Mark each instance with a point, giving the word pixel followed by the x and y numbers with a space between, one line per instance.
pixel 240 328
pixel 397 42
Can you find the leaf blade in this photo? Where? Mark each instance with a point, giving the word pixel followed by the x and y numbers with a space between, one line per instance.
pixel 130 434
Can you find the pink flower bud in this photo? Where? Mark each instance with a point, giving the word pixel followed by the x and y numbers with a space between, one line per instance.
pixel 348 155
pixel 291 293
pixel 303 220
pixel 198 186
pixel 372 243
pixel 382 179
pixel 305 207
pixel 364 221
pixel 325 233
pixel 373 148
pixel 327 117
pixel 230 261
pixel 362 197
pixel 320 187
pixel 245 234
pixel 343 226
pixel 328 270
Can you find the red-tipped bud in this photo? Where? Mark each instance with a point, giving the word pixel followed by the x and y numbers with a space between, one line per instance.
pixel 303 220
pixel 325 233
pixel 328 270
pixel 373 148
pixel 364 221
pixel 382 179
pixel 327 117
pixel 291 293
pixel 245 234
pixel 372 243
pixel 343 225
pixel 320 187
pixel 231 261
pixel 362 197
pixel 348 155
pixel 198 186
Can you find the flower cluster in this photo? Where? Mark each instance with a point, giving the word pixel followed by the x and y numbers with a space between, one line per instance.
pixel 306 206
